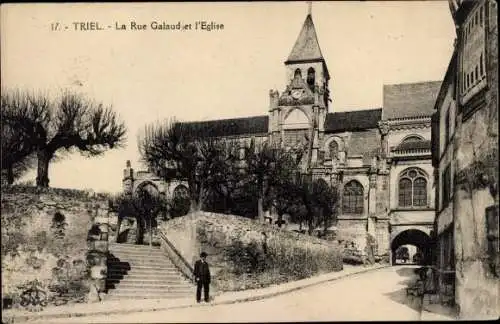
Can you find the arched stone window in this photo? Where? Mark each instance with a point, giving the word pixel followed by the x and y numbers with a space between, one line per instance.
pixel 311 77
pixel 412 138
pixel 333 148
pixel 352 198
pixel 412 188
pixel 296 119
pixel 297 74
pixel 181 191
pixel 149 187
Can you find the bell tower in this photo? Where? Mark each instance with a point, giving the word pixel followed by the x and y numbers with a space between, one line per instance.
pixel 300 110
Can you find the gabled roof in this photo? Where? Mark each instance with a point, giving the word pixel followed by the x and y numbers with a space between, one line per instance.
pixel 410 99
pixel 352 120
pixel 232 127
pixel 306 46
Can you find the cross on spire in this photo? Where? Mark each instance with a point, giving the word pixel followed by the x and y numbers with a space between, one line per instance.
pixel 309 7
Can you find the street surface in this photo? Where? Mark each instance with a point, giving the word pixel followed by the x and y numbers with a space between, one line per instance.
pixel 374 296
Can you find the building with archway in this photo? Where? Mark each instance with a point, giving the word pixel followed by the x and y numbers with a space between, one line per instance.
pixel 380 158
pixel 465 140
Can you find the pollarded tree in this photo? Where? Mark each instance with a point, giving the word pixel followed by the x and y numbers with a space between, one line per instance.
pixel 315 200
pixel 326 199
pixel 182 151
pixel 170 152
pixel 267 168
pixel 17 143
pixel 71 122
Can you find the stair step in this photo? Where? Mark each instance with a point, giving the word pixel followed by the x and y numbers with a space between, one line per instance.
pixel 153 286
pixel 120 265
pixel 136 253
pixel 143 267
pixel 160 292
pixel 132 247
pixel 132 274
pixel 169 296
pixel 147 282
pixel 138 256
pixel 146 274
pixel 136 261
pixel 139 269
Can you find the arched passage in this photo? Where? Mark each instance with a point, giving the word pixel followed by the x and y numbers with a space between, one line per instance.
pixel 149 187
pixel 419 239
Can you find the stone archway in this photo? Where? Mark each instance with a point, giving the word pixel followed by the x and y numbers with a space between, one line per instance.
pixel 414 237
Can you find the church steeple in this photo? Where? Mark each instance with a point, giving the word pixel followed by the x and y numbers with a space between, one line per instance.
pixel 306 62
pixel 304 103
pixel 306 46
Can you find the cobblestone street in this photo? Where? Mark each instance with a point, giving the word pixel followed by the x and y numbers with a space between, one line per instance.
pixel 376 295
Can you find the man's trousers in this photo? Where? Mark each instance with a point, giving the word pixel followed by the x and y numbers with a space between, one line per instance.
pixel 206 288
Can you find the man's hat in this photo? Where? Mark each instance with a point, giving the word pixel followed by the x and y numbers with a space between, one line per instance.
pixel 203 255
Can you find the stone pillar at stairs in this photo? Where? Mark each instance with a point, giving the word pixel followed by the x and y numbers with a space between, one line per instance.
pixel 97 253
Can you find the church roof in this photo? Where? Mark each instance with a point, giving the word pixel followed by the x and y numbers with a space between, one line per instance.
pixel 413 145
pixel 352 120
pixel 233 126
pixel 410 99
pixel 306 46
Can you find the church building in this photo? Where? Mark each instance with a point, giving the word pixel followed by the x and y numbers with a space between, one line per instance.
pixel 380 158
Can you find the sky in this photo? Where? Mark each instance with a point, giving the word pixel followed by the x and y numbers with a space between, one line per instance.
pixel 150 75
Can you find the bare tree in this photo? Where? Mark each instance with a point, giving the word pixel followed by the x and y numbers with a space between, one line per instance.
pixel 68 123
pixel 269 166
pixel 182 151
pixel 17 142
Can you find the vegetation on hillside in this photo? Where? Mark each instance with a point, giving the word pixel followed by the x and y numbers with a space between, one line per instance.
pixel 245 254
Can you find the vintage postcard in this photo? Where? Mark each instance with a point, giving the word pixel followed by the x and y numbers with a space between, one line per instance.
pixel 249 161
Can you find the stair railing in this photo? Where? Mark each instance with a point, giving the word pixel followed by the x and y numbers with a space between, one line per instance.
pixel 176 257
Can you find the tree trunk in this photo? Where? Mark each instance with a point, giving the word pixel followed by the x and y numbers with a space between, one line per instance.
pixel 42 178
pixel 193 206
pixel 118 225
pixel 10 174
pixel 140 231
pixel 325 220
pixel 200 197
pixel 260 208
pixel 310 220
pixel 150 231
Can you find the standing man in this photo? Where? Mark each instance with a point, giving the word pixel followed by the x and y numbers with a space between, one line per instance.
pixel 202 277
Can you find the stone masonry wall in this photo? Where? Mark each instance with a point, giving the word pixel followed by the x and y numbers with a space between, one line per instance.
pixel 352 232
pixel 44 236
pixel 476 156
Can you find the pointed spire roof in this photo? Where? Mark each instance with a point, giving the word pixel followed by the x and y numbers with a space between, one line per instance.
pixel 306 46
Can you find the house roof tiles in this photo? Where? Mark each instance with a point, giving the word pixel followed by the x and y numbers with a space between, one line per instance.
pixel 233 126
pixel 410 99
pixel 352 120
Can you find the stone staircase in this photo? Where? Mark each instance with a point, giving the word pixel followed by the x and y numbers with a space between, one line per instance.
pixel 140 271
